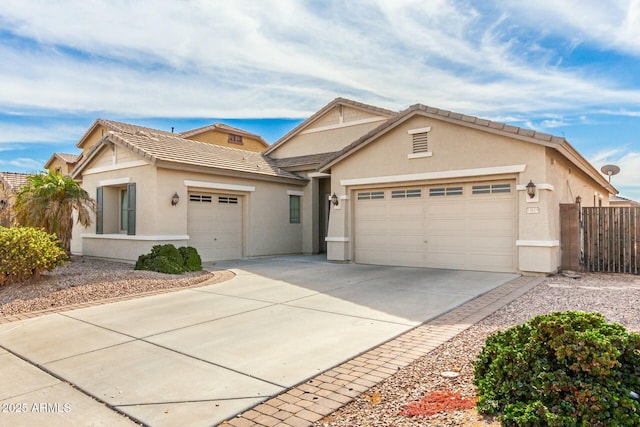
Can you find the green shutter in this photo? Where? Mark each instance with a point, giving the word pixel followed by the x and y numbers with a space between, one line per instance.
pixel 99 210
pixel 131 209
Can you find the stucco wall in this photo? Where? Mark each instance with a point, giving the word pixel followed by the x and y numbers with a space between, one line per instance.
pixel 322 142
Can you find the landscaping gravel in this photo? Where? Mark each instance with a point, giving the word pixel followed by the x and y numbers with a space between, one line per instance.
pixel 85 280
pixel 617 297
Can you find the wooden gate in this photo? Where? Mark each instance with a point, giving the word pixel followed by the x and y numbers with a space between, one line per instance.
pixel 611 239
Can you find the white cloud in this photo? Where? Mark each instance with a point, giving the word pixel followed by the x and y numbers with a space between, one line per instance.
pixel 23 163
pixel 628 180
pixel 281 58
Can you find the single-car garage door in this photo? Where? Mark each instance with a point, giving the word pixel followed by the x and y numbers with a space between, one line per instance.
pixel 215 225
pixel 469 226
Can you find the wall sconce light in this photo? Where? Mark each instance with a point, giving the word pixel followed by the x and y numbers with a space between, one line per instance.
pixel 334 199
pixel 578 200
pixel 175 199
pixel 531 189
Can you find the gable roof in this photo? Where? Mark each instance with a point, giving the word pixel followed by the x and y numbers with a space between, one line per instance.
pixel 115 126
pixel 172 151
pixel 322 111
pixel 224 128
pixel 63 157
pixel 14 180
pixel 558 143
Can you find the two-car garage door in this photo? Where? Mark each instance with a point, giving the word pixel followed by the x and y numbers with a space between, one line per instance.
pixel 470 226
pixel 215 225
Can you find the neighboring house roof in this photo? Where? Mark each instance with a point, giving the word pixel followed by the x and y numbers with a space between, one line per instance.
pixel 619 200
pixel 115 126
pixel 14 181
pixel 548 140
pixel 169 150
pixel 322 111
pixel 223 128
pixel 63 157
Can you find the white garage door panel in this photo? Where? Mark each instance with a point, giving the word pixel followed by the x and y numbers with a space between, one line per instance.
pixel 461 231
pixel 215 226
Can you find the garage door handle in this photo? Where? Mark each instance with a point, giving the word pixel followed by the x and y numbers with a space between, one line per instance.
pixel 426 241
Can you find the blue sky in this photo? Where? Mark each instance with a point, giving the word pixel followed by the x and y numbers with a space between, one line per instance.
pixel 568 67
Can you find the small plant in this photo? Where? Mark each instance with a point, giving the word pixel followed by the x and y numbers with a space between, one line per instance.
pixel 561 369
pixel 192 260
pixel 26 252
pixel 170 260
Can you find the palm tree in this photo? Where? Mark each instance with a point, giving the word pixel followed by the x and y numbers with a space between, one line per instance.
pixel 49 201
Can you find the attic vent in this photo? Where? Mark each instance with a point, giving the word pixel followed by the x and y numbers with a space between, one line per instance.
pixel 420 140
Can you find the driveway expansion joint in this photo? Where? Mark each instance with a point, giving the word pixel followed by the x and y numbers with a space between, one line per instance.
pixel 318 397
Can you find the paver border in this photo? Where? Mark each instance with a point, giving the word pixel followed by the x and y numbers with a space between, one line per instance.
pixel 315 398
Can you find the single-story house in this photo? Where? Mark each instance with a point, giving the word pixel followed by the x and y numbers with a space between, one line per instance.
pixel 422 187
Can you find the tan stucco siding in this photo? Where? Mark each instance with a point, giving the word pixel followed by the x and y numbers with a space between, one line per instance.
pixel 333 117
pixel 453 147
pixel 93 138
pixel 103 158
pixel 570 182
pixel 58 165
pixel 326 141
pixel 222 138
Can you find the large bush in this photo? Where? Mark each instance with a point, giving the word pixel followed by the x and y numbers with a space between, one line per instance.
pixel 27 252
pixel 561 369
pixel 170 260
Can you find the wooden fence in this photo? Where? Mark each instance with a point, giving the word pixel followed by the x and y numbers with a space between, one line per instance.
pixel 611 239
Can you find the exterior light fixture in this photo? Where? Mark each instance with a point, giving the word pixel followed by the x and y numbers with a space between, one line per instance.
pixel 531 189
pixel 334 199
pixel 578 200
pixel 175 199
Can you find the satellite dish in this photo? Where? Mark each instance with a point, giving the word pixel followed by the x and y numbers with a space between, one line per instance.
pixel 610 170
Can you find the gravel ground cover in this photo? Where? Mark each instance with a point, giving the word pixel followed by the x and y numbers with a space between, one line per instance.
pixel 617 297
pixel 85 280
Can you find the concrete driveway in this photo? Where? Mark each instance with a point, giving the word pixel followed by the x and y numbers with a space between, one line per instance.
pixel 200 356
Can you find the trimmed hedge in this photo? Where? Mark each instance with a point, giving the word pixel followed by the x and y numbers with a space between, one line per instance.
pixel 561 369
pixel 170 260
pixel 26 252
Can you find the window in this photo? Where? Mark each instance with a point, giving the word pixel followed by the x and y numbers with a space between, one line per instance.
pixel 294 209
pixel 124 209
pixel 116 209
pixel 491 188
pixel 235 139
pixel 402 194
pixel 229 200
pixel 371 195
pixel 200 198
pixel 445 191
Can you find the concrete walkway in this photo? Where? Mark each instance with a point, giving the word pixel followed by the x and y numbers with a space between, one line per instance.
pixel 203 355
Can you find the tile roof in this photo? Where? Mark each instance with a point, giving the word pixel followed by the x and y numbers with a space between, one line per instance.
pixel 222 127
pixel 14 180
pixel 115 126
pixel 68 158
pixel 162 147
pixel 312 160
pixel 323 110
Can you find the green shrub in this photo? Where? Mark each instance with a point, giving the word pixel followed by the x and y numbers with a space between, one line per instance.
pixel 192 260
pixel 27 252
pixel 170 260
pixel 561 369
